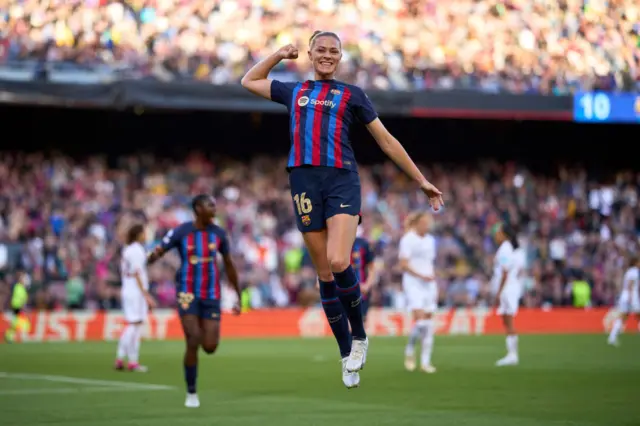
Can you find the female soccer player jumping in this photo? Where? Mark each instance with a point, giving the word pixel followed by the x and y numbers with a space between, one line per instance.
pixel 325 186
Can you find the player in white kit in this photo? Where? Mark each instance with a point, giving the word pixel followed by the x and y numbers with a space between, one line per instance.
pixel 135 299
pixel 417 255
pixel 509 265
pixel 629 300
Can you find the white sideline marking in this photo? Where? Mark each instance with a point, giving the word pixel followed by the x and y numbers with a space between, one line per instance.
pixel 80 381
pixel 44 391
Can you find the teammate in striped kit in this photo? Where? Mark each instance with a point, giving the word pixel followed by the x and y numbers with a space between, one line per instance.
pixel 362 260
pixel 198 284
pixel 325 186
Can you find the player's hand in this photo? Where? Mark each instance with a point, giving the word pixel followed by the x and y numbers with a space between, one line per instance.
pixel 236 309
pixel 434 194
pixel 151 302
pixel 288 52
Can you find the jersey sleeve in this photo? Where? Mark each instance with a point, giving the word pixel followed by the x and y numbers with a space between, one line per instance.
pixel 404 251
pixel 505 260
pixel 171 239
pixel 137 260
pixel 363 108
pixel 282 92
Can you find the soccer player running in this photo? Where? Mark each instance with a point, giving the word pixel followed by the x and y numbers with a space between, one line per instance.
pixel 325 186
pixel 19 299
pixel 362 261
pixel 198 284
pixel 417 253
pixel 628 301
pixel 508 273
pixel 136 299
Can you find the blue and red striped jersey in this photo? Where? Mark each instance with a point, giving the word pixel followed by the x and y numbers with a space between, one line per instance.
pixel 361 258
pixel 321 113
pixel 199 273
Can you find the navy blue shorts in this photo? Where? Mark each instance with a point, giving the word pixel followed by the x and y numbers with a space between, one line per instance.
pixel 202 308
pixel 319 193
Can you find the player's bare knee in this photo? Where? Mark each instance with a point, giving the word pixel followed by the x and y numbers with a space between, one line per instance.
pixel 338 263
pixel 209 347
pixel 325 275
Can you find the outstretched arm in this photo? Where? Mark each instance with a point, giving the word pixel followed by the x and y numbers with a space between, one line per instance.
pixel 394 150
pixel 256 79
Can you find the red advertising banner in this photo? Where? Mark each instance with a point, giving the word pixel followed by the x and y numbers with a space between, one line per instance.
pixel 78 326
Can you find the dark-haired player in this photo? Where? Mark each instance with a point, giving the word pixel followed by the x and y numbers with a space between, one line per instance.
pixel 362 262
pixel 508 272
pixel 198 280
pixel 136 299
pixel 325 186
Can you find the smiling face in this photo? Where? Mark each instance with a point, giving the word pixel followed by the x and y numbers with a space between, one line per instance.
pixel 325 54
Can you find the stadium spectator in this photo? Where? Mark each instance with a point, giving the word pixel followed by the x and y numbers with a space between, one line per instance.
pixel 62 220
pixel 540 46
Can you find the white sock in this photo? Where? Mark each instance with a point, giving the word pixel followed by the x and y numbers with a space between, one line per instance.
pixel 512 345
pixel 416 333
pixel 124 342
pixel 134 348
pixel 616 329
pixel 427 343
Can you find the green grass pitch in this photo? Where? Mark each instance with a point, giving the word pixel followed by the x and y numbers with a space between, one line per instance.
pixel 561 380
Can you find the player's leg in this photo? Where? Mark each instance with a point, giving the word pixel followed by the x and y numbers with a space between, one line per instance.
pixel 210 325
pixel 308 208
pixel 189 310
pixel 508 309
pixel 624 307
pixel 617 328
pixel 316 243
pixel 133 352
pixel 126 337
pixel 428 326
pixel 415 335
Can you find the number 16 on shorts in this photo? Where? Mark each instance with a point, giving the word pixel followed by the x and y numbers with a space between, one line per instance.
pixel 303 207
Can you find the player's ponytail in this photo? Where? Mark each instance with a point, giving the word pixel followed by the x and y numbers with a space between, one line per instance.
pixel 511 234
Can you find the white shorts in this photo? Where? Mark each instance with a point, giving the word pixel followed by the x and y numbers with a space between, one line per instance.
pixel 420 295
pixel 134 307
pixel 509 301
pixel 629 305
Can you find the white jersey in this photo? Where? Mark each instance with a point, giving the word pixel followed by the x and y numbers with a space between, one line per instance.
pixel 134 260
pixel 513 262
pixel 419 251
pixel 630 282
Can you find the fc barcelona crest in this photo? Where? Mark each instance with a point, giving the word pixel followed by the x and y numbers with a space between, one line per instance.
pixel 335 92
pixel 212 246
pixel 306 220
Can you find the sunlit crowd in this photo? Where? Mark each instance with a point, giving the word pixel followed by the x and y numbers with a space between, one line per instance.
pixel 63 222
pixel 538 46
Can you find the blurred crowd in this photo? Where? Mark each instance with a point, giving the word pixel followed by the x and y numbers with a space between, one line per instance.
pixel 521 46
pixel 63 221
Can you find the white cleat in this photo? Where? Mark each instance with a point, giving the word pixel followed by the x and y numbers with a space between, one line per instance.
pixel 507 360
pixel 615 342
pixel 410 362
pixel 429 369
pixel 358 356
pixel 350 380
pixel 192 401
